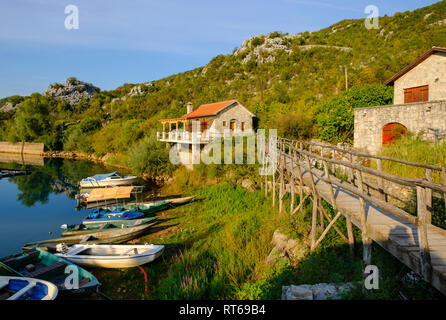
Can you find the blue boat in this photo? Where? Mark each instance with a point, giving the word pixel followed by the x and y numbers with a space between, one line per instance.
pixel 21 288
pixel 112 216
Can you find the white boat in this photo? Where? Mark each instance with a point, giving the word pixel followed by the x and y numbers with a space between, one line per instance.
pixel 111 256
pixel 108 179
pixel 21 288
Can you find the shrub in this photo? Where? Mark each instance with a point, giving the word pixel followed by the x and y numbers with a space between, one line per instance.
pixel 150 157
pixel 335 116
pixel 257 41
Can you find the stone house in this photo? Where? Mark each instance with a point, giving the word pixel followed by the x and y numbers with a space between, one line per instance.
pixel 419 105
pixel 211 120
pixel 197 128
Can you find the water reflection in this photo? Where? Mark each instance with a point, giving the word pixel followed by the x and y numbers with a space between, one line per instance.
pixel 33 207
pixel 56 176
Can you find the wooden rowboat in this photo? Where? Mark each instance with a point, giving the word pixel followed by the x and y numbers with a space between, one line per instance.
pixel 40 264
pixel 21 288
pixel 172 201
pixel 111 256
pixel 114 235
pixel 104 226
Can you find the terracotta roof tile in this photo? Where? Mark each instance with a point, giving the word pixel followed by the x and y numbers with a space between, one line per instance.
pixel 207 109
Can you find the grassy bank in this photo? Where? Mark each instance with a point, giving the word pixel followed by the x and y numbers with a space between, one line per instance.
pixel 414 149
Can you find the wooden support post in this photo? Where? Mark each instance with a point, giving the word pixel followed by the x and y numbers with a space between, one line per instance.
pixel 301 203
pixel 292 189
pixel 429 194
pixel 351 171
pixel 274 189
pixel 351 238
pixel 382 195
pixel 321 208
pixel 327 175
pixel 366 241
pixel 281 189
pixel 443 180
pixel 326 230
pixel 423 213
pixel 314 221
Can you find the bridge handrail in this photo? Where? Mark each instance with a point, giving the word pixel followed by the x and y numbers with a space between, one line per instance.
pixel 366 155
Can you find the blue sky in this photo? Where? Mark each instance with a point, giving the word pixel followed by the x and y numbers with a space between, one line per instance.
pixel 137 41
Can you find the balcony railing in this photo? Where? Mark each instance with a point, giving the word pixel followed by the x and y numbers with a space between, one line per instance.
pixel 180 136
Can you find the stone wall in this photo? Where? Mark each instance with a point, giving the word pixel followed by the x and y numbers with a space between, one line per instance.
pixel 430 72
pixel 26 147
pixel 236 112
pixel 416 117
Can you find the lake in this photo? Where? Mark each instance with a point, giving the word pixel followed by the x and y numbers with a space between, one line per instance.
pixel 33 207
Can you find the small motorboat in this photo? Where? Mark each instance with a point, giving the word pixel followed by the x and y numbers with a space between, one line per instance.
pixel 21 288
pixel 77 229
pixel 40 264
pixel 108 179
pixel 111 256
pixel 113 235
pixel 112 216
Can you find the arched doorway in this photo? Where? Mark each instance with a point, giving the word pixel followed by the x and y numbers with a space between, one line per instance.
pixel 393 131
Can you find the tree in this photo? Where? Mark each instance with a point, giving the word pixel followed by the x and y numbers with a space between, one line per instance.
pixel 335 116
pixel 32 119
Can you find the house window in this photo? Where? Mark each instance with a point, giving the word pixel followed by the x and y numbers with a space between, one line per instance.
pixel 418 94
pixel 224 123
pixel 243 126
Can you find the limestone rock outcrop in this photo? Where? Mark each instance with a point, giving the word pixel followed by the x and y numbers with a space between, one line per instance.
pixel 72 91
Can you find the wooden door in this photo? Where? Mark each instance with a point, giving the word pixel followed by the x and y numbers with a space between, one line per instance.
pixel 418 94
pixel 392 132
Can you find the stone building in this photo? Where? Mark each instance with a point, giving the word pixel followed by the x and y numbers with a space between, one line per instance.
pixel 208 122
pixel 419 105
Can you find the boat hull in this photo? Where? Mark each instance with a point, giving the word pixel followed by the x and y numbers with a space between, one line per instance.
pixel 105 237
pixel 96 227
pixel 108 182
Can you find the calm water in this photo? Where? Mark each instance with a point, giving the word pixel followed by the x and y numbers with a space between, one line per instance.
pixel 32 206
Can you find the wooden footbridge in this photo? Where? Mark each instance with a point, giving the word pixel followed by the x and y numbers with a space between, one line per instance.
pixel 307 169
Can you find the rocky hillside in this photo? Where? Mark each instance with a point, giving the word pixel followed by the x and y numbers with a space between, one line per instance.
pixel 72 91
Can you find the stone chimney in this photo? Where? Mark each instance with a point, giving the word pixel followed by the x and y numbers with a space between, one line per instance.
pixel 190 107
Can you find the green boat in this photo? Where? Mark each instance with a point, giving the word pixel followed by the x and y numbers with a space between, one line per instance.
pixel 104 226
pixel 144 208
pixel 40 264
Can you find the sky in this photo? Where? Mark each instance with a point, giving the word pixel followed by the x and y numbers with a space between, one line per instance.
pixel 137 41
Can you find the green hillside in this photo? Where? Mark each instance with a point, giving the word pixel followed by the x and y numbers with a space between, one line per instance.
pixel 285 79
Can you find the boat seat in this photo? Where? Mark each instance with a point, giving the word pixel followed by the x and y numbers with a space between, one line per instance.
pixel 22 291
pixel 76 251
pixel 47 270
pixel 132 249
pixel 3 283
